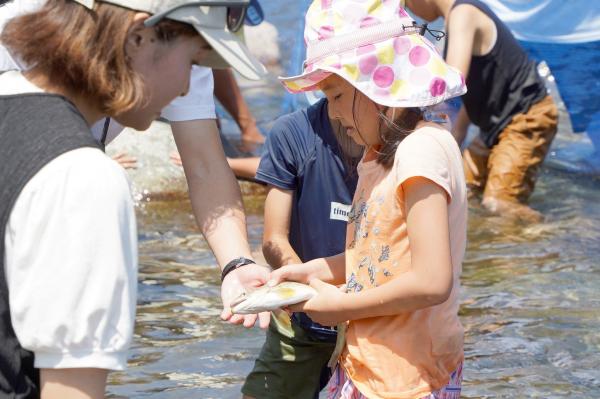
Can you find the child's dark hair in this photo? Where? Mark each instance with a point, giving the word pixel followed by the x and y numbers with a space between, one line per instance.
pixel 392 131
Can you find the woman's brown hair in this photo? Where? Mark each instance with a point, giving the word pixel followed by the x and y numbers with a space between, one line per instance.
pixel 83 51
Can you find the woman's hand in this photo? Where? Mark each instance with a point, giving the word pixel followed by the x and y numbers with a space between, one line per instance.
pixel 327 307
pixel 235 283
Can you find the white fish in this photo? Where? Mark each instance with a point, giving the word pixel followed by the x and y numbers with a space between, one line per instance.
pixel 268 298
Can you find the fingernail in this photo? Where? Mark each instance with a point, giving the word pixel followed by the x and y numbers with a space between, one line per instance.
pixel 271 283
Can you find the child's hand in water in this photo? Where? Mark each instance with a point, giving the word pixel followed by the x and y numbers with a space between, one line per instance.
pixel 327 307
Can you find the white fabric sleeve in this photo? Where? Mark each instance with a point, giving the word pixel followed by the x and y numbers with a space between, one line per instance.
pixel 7 12
pixel 71 263
pixel 198 103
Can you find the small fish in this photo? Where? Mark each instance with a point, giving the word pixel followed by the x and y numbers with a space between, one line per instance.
pixel 268 298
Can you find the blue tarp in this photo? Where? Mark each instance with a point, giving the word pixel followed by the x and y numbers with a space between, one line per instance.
pixel 576 68
pixel 566 34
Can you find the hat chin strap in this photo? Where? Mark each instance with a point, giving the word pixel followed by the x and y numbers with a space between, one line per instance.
pixel 317 49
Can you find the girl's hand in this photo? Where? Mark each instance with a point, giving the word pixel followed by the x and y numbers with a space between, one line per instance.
pixel 327 307
pixel 301 273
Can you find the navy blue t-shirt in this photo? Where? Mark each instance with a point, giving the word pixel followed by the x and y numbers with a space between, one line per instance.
pixel 303 155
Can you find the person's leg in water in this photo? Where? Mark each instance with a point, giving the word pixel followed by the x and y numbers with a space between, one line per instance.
pixel 514 162
pixel 475 163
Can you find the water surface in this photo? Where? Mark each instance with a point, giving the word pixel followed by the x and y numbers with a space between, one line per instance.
pixel 530 299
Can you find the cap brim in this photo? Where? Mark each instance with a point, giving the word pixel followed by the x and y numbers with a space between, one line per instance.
pixel 229 51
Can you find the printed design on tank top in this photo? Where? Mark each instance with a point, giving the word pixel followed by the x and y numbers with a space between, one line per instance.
pixel 358 217
pixel 375 266
pixel 385 253
pixel 352 285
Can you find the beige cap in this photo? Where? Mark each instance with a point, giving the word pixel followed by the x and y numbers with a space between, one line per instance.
pixel 211 22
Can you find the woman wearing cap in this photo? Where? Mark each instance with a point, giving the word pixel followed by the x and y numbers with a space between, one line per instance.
pixel 68 243
pixel 407 226
pixel 214 192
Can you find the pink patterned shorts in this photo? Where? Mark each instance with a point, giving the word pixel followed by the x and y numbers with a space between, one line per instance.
pixel 341 387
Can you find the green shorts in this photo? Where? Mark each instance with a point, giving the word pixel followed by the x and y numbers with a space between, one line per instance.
pixel 290 363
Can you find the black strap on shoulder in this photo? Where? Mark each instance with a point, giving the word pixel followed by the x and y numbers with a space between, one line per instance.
pixel 105 131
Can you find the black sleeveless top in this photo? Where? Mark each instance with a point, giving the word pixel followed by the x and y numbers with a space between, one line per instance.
pixel 502 83
pixel 34 129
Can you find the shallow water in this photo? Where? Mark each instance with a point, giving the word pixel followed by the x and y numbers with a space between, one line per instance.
pixel 530 300
pixel 530 303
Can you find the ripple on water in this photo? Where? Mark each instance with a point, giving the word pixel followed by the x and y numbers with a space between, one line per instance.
pixel 530 305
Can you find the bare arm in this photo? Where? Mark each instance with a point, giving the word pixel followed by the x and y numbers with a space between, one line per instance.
pixel 214 191
pixel 244 167
pixel 429 281
pixel 279 252
pixel 230 96
pixel 276 244
pixel 461 32
pixel 461 125
pixel 331 270
pixel 88 383
pixel 217 205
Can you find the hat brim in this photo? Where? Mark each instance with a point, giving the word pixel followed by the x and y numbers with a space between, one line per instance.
pixel 308 81
pixel 229 51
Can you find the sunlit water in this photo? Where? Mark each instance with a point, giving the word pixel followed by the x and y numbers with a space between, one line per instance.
pixel 531 303
pixel 530 300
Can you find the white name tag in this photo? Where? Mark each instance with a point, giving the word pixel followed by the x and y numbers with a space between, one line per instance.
pixel 339 211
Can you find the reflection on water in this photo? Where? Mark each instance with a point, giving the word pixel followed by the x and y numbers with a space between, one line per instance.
pixel 181 348
pixel 531 304
pixel 530 300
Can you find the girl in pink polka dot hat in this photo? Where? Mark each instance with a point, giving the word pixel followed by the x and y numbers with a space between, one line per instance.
pixel 374 45
pixel 406 233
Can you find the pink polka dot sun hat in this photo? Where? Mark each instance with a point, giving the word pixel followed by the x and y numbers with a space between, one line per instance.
pixel 374 45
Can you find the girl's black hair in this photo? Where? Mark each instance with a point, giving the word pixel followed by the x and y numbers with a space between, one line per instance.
pixel 347 148
pixel 391 132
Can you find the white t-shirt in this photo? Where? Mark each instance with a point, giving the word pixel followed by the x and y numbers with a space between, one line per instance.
pixel 197 104
pixel 71 263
